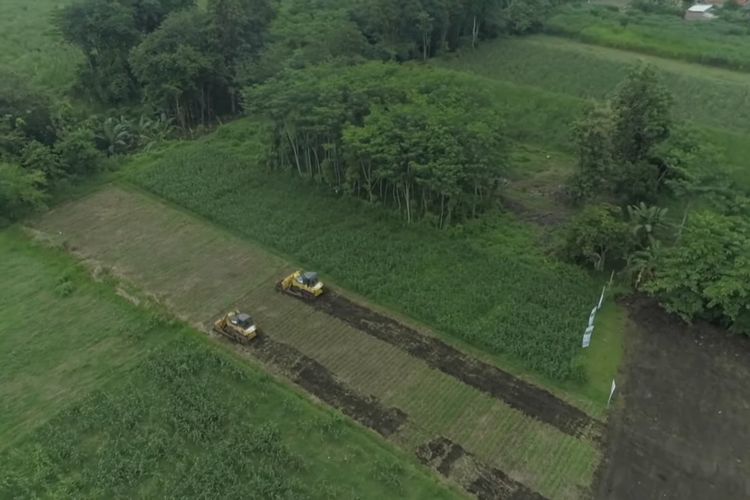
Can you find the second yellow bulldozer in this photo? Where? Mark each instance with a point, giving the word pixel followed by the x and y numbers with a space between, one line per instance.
pixel 302 284
pixel 237 326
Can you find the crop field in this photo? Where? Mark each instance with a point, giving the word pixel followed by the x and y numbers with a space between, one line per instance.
pixel 487 284
pixel 707 96
pixel 343 353
pixel 717 43
pixel 714 101
pixel 31 49
pixel 119 401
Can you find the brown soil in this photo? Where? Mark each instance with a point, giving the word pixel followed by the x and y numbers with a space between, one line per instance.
pixel 455 463
pixel 489 379
pixel 317 380
pixel 680 428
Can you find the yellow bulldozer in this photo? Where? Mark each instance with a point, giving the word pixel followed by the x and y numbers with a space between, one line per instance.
pixel 302 284
pixel 237 326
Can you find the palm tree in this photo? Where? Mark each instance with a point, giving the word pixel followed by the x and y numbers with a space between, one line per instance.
pixel 648 222
pixel 116 135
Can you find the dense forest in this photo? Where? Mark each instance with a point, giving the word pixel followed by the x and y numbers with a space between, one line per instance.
pixel 346 101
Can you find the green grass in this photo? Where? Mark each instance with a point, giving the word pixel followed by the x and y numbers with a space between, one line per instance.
pixel 707 96
pixel 717 43
pixel 32 49
pixel 488 284
pixel 541 90
pixel 105 399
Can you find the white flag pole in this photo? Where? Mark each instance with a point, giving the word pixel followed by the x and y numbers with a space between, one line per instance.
pixel 611 392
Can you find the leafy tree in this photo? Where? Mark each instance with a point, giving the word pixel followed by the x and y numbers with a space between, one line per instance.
pixel 181 68
pixel 105 30
pixel 38 156
pixel 642 109
pixel 240 29
pixel 596 165
pixel 78 153
pixel 596 236
pixel 21 191
pixel 413 140
pixel 24 111
pixel 707 274
pixel 524 16
pixel 619 144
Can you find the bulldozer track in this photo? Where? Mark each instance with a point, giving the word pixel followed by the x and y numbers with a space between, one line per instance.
pixel 320 382
pixel 476 477
pixel 523 396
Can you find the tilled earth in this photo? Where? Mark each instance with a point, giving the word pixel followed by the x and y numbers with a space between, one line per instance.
pixel 682 426
pixel 517 393
pixel 502 437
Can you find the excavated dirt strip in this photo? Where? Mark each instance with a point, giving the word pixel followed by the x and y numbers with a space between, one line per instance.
pixel 518 394
pixel 455 463
pixel 317 380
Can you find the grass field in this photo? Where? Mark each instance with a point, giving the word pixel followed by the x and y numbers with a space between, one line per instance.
pixel 195 269
pixel 32 50
pixel 117 401
pixel 717 43
pixel 488 284
pixel 549 70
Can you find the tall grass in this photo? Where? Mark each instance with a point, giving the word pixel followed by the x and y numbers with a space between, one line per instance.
pixel 708 97
pixel 543 84
pixel 488 283
pixel 717 43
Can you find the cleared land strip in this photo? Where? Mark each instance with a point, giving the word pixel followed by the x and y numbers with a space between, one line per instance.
pixel 200 271
pixel 452 461
pixel 518 394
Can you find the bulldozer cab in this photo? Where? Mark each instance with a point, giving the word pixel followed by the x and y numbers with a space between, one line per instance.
pixel 242 320
pixel 308 279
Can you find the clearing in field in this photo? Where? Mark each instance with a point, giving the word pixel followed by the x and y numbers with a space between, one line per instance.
pixel 106 399
pixel 344 353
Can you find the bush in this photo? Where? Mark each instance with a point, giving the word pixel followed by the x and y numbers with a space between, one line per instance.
pixel 21 191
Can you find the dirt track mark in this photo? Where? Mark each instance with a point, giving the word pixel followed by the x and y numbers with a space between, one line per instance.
pixel 522 396
pixel 317 380
pixel 455 463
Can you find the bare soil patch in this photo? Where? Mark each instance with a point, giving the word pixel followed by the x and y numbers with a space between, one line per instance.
pixel 529 399
pixel 453 462
pixel 318 381
pixel 680 430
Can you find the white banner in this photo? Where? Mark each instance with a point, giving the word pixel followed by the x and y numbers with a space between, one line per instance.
pixel 587 336
pixel 601 298
pixel 592 317
pixel 611 392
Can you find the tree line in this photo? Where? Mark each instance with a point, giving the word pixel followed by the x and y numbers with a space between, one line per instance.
pixel 632 156
pixel 404 137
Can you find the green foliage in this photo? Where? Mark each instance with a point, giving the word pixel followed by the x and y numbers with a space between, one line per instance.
pixel 597 236
pixel 717 43
pixel 527 15
pixel 617 143
pixel 407 138
pixel 20 191
pixel 78 152
pixel 488 283
pixel 707 273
